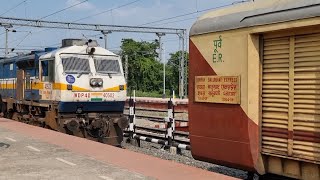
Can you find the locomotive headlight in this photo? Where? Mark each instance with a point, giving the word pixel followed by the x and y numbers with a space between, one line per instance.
pixel 99 82
pixel 96 82
pixel 93 82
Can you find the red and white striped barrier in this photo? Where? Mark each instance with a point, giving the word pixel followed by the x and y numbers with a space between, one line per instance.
pixel 170 126
pixel 177 125
pixel 161 104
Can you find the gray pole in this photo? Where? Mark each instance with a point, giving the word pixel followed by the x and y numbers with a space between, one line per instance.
pixel 184 83
pixel 181 68
pixel 164 73
pixel 6 44
pixel 180 61
pixel 105 40
pixel 105 34
pixel 126 67
pixel 164 65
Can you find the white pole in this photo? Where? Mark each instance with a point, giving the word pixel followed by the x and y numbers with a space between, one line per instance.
pixel 134 95
pixel 164 65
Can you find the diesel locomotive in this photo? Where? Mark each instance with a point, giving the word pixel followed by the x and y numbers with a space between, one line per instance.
pixel 77 89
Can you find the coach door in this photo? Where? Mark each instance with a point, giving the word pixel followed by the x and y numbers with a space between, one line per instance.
pixel 291 96
pixel 20 84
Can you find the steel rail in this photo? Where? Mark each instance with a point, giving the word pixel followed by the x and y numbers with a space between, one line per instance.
pixel 155 118
pixel 159 130
pixel 155 110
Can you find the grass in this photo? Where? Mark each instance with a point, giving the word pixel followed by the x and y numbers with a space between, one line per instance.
pixel 155 94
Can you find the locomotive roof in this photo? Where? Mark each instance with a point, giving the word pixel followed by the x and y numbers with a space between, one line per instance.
pixel 51 52
pixel 77 49
pixel 24 57
pixel 259 12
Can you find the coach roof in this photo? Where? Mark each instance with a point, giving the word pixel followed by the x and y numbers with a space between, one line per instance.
pixel 259 12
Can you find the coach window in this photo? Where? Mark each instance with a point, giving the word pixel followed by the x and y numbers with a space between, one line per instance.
pixel 47 70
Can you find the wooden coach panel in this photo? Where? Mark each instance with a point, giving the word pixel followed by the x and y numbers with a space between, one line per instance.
pixel 217 89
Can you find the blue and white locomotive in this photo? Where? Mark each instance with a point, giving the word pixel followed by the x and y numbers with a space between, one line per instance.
pixel 77 89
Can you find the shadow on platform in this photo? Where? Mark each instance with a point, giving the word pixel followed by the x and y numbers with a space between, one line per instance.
pixel 4 145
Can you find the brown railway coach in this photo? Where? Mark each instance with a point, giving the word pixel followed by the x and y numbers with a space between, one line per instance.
pixel 254 83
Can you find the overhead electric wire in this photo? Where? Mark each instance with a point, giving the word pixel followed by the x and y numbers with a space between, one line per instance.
pixel 22 49
pixel 19 38
pixel 186 14
pixel 56 12
pixel 13 7
pixel 170 22
pixel 118 7
pixel 23 39
pixel 63 9
pixel 33 46
pixel 153 22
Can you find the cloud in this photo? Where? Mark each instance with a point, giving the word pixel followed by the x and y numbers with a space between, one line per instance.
pixel 81 7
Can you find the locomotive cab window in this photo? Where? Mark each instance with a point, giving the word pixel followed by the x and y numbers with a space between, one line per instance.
pixel 75 65
pixel 107 66
pixel 47 70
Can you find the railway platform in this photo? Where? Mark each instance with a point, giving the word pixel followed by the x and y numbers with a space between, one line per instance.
pixel 29 152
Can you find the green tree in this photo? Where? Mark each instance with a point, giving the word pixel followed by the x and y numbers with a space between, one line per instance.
pixel 144 68
pixel 173 66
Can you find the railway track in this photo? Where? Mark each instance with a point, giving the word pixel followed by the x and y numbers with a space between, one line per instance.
pixel 160 130
pixel 155 110
pixel 180 137
pixel 162 137
pixel 156 117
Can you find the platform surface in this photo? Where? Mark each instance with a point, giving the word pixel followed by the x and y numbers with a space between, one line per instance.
pixel 29 152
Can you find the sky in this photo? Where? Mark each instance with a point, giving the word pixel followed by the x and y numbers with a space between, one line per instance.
pixel 134 13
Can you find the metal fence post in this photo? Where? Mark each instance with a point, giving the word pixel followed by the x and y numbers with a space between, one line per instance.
pixel 131 117
pixel 134 111
pixel 132 120
pixel 170 123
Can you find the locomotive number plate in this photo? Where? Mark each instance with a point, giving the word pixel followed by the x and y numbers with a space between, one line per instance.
pixel 108 95
pixel 94 96
pixel 81 95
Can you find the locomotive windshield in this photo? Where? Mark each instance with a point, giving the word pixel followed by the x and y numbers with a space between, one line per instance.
pixel 108 66
pixel 75 65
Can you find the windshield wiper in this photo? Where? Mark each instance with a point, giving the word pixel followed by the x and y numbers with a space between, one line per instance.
pixel 107 72
pixel 80 74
